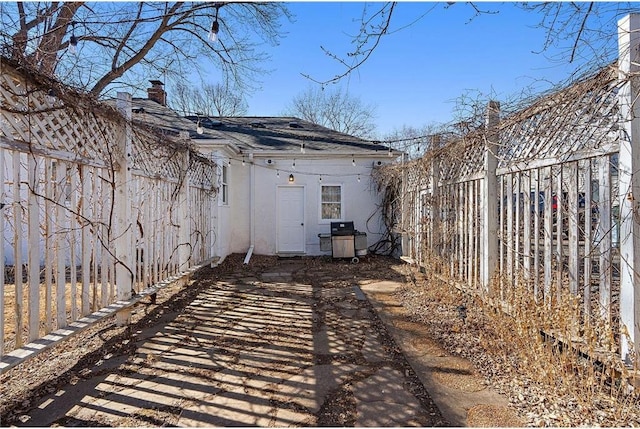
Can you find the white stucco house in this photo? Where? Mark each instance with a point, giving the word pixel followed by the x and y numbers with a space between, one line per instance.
pixel 283 181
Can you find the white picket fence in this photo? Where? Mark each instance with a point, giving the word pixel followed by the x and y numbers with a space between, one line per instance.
pixel 546 197
pixel 94 210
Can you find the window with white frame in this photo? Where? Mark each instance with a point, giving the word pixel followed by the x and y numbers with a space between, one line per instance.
pixel 331 202
pixel 224 184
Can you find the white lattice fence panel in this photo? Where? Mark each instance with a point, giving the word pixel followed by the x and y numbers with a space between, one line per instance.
pixel 462 158
pixel 156 237
pixel 45 122
pixel 579 119
pixel 155 156
pixel 202 173
pixel 203 235
pixel 417 174
pixel 557 200
pixel 203 191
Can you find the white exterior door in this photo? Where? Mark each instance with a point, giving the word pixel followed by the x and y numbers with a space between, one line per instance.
pixel 290 219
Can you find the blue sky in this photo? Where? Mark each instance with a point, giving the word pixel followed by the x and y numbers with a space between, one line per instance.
pixel 416 75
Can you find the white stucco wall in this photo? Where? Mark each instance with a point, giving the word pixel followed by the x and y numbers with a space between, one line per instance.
pixel 239 215
pixel 231 219
pixel 360 200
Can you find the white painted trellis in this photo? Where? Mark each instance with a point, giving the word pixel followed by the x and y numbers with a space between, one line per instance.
pixel 94 209
pixel 543 198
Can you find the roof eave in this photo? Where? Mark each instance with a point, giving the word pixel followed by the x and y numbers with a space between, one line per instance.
pixel 323 154
pixel 208 143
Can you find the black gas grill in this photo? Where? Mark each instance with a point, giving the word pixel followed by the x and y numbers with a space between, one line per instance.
pixel 342 228
pixel 343 240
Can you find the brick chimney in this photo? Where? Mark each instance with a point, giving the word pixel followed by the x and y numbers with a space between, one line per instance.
pixel 157 93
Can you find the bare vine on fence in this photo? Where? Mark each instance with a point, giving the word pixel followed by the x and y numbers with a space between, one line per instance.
pixel 69 147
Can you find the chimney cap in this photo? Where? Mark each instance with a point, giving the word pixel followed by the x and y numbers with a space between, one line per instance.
pixel 156 82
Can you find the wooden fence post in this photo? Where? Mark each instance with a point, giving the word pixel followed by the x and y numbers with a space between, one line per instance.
pixel 185 250
pixel 33 256
pixel 3 204
pixel 122 225
pixel 489 226
pixel 437 244
pixel 629 184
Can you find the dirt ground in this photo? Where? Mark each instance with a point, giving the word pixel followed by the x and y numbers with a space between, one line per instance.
pixel 106 348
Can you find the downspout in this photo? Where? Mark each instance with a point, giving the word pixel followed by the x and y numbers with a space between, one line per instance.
pixel 403 190
pixel 252 215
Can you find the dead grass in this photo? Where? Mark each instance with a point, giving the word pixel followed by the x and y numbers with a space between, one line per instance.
pixel 520 352
pixel 459 373
pixel 47 315
pixel 486 415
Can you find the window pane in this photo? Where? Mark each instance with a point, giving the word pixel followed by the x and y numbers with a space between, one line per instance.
pixel 331 194
pixel 224 185
pixel 331 202
pixel 331 211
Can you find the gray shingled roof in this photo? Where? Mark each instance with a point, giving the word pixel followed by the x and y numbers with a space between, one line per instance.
pixel 155 114
pixel 288 134
pixel 254 134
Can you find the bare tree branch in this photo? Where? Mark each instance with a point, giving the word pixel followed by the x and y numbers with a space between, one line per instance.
pixel 361 49
pixel 336 110
pixel 208 100
pixel 124 39
pixel 118 71
pixel 580 32
pixel 128 42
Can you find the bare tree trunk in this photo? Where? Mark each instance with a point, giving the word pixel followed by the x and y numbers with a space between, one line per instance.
pixel 20 38
pixel 51 41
